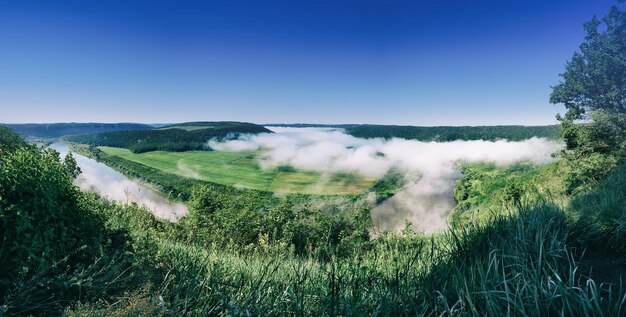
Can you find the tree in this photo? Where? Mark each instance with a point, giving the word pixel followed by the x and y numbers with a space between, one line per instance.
pixel 595 78
pixel 593 89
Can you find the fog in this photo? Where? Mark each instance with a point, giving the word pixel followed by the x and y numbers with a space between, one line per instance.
pixel 429 167
pixel 113 185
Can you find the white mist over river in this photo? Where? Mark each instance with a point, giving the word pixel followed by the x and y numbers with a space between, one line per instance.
pixel 430 168
pixel 113 185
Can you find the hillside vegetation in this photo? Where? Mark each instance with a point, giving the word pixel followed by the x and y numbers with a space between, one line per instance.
pixel 524 240
pixel 444 134
pixel 251 253
pixel 174 138
pixel 56 130
pixel 439 133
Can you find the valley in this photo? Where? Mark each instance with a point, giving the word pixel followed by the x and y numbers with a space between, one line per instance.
pixel 241 169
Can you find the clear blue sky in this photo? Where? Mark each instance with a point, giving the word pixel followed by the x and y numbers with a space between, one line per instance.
pixel 430 62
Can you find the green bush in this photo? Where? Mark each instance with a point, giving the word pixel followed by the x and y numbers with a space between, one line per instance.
pixel 54 246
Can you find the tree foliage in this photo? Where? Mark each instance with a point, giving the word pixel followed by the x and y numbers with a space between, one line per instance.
pixel 593 89
pixel 444 133
pixel 595 78
pixel 54 246
pixel 171 139
pixel 55 130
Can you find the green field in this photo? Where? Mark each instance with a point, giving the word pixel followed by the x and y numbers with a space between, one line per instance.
pixel 242 169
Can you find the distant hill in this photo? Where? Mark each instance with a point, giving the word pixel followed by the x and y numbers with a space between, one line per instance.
pixel 218 125
pixel 440 133
pixel 176 137
pixel 450 133
pixel 56 130
pixel 310 125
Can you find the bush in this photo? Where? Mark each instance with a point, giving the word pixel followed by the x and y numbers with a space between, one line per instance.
pixel 54 246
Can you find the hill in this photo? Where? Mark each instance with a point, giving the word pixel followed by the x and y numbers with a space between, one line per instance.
pixel 176 138
pixel 450 133
pixel 56 130
pixel 437 133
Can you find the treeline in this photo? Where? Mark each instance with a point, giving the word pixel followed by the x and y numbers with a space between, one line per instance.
pixel 171 139
pixel 215 125
pixel 449 133
pixel 56 130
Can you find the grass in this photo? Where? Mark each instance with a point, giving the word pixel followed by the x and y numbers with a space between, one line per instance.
pixel 544 260
pixel 472 271
pixel 242 169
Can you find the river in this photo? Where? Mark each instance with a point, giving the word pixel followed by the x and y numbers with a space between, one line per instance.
pixel 115 186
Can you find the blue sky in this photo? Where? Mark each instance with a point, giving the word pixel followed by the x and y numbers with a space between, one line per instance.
pixel 432 62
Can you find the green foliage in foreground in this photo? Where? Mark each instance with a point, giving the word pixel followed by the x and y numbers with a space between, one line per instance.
pixel 242 169
pixel 538 269
pixel 172 139
pixel 55 247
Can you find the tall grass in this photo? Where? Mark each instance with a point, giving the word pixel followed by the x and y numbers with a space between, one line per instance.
pixel 532 262
pixel 510 266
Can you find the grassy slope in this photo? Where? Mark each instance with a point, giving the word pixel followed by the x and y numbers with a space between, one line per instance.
pixel 241 168
pixel 486 189
pixel 533 262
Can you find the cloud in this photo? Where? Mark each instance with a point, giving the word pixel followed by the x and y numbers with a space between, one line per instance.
pixel 429 167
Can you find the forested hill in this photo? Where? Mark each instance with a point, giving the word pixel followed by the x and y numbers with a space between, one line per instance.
pixel 218 125
pixel 178 137
pixel 448 133
pixel 56 130
pixel 440 133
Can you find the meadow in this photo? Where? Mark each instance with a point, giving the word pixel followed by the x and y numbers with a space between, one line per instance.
pixel 242 169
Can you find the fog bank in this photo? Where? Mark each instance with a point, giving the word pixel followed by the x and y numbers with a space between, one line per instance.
pixel 113 185
pixel 429 167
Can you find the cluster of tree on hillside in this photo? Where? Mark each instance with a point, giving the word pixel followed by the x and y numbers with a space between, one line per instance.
pixel 56 130
pixel 171 139
pixel 448 133
pixel 439 133
pixel 235 125
pixel 54 243
pixel 593 89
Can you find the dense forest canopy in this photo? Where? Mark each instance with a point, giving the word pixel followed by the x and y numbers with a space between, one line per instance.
pixel 439 133
pixel 55 130
pixel 449 133
pixel 170 138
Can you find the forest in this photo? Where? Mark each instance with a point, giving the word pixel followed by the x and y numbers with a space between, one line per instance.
pixel 439 133
pixel 169 138
pixel 443 134
pixel 56 130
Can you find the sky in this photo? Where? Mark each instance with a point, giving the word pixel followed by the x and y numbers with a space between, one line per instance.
pixel 434 62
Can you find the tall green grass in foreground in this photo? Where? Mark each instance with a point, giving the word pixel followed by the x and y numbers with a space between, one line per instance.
pixel 531 261
pixel 537 261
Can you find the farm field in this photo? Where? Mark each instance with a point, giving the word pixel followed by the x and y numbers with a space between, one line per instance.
pixel 242 169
